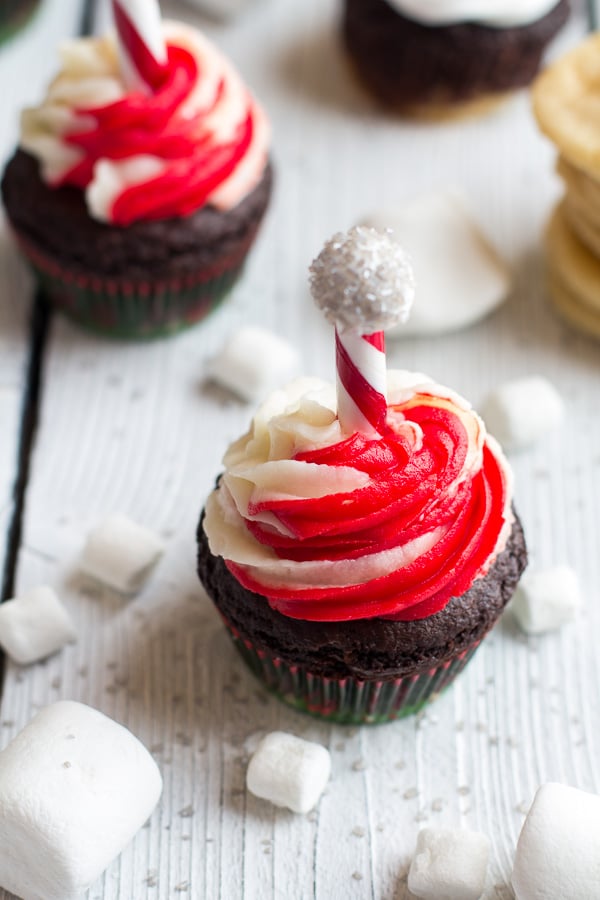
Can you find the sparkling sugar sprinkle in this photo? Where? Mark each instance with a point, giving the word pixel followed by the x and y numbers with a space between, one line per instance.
pixel 363 281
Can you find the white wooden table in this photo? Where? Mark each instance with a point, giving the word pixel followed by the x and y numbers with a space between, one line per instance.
pixel 134 428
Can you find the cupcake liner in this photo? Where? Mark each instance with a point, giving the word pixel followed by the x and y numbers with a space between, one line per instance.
pixel 135 308
pixel 349 701
pixel 14 15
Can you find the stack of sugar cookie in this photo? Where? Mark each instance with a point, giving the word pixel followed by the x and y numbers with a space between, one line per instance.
pixel 566 102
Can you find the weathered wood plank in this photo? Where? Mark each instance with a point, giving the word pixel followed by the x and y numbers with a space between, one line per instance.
pixel 132 428
pixel 26 63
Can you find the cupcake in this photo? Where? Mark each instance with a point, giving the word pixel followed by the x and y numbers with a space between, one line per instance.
pixel 445 57
pixel 136 206
pixel 14 14
pixel 359 546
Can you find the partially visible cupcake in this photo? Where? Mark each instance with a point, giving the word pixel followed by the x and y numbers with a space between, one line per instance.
pixel 435 58
pixel 137 209
pixel 358 573
pixel 14 14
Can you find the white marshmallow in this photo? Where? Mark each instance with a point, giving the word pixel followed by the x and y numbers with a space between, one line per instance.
pixel 34 625
pixel 449 864
pixel 558 851
pixel 521 411
pixel 546 599
pixel 254 362
pixel 121 553
pixel 75 787
pixel 289 771
pixel 459 276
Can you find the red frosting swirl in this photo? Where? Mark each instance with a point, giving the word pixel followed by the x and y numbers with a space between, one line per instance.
pixel 198 138
pixel 413 489
pixel 139 124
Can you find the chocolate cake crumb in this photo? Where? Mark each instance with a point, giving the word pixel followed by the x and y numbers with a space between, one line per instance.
pixel 366 649
pixel 408 64
pixel 57 222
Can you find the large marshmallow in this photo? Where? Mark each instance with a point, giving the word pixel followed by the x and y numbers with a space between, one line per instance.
pixel 253 362
pixel 459 276
pixel 546 599
pixel 289 771
pixel 521 411
pixel 121 553
pixel 449 864
pixel 75 787
pixel 558 851
pixel 34 625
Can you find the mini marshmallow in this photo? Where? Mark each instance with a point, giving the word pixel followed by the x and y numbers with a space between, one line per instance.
pixel 459 276
pixel 253 362
pixel 521 411
pixel 75 787
pixel 558 851
pixel 449 864
pixel 121 554
pixel 546 599
pixel 34 625
pixel 289 771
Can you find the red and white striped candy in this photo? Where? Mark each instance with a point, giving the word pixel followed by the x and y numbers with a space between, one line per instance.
pixel 143 54
pixel 363 282
pixel 361 382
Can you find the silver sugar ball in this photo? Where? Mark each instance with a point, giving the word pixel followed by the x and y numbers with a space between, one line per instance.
pixel 363 280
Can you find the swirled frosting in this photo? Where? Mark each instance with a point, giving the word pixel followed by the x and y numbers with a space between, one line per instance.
pixel 330 527
pixel 199 139
pixel 493 13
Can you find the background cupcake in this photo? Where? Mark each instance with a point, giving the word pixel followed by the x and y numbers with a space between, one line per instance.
pixel 434 57
pixel 359 549
pixel 136 193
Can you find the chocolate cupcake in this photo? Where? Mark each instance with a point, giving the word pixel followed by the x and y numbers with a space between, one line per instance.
pixel 136 209
pixel 369 670
pixel 450 56
pixel 358 569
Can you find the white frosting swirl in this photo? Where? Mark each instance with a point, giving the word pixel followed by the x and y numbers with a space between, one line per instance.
pixel 493 13
pixel 260 465
pixel 90 78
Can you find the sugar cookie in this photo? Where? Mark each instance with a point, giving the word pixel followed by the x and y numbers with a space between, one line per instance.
pixel 566 104
pixel 575 313
pixel 571 260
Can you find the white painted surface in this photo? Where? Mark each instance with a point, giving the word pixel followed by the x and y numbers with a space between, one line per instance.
pixel 26 63
pixel 133 428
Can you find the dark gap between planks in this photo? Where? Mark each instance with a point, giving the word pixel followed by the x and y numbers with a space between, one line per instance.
pixel 32 395
pixel 38 333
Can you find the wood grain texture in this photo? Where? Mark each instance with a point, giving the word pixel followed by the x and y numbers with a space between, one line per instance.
pixel 137 429
pixel 26 63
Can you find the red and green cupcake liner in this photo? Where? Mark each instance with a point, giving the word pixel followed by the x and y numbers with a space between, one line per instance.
pixel 350 701
pixel 14 15
pixel 135 308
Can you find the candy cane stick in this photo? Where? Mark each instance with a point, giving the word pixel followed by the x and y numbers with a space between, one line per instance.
pixel 361 381
pixel 364 283
pixel 143 54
